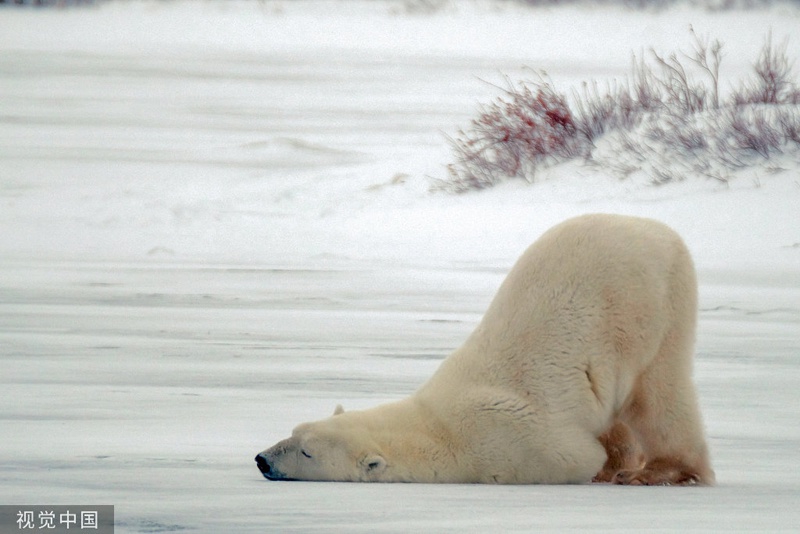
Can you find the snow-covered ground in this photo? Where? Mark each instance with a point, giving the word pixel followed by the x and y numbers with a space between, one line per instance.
pixel 215 223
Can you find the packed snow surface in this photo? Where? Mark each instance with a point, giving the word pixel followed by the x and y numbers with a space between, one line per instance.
pixel 216 224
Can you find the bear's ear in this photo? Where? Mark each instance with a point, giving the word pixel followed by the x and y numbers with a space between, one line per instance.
pixel 373 464
pixel 339 410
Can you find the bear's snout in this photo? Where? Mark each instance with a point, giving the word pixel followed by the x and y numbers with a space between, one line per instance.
pixel 266 463
pixel 263 465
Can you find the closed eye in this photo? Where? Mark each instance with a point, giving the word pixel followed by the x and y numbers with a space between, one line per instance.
pixel 305 454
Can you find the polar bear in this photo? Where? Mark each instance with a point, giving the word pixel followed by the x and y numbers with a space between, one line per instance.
pixel 580 370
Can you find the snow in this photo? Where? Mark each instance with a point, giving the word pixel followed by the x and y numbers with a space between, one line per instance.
pixel 216 224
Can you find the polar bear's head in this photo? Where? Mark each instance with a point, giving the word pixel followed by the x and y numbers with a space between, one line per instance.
pixel 335 449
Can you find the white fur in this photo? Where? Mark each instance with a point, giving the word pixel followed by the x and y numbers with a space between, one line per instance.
pixel 594 325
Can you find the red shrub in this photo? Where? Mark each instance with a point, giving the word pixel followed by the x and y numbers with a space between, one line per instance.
pixel 510 138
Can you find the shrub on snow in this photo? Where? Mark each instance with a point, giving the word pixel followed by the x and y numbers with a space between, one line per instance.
pixel 660 121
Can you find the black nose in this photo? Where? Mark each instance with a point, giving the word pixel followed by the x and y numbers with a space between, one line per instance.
pixel 263 465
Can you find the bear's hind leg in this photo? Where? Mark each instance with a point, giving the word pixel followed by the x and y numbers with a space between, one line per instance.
pixel 622 450
pixel 662 472
pixel 664 414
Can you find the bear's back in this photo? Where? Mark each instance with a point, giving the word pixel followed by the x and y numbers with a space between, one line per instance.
pixel 592 264
pixel 594 292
